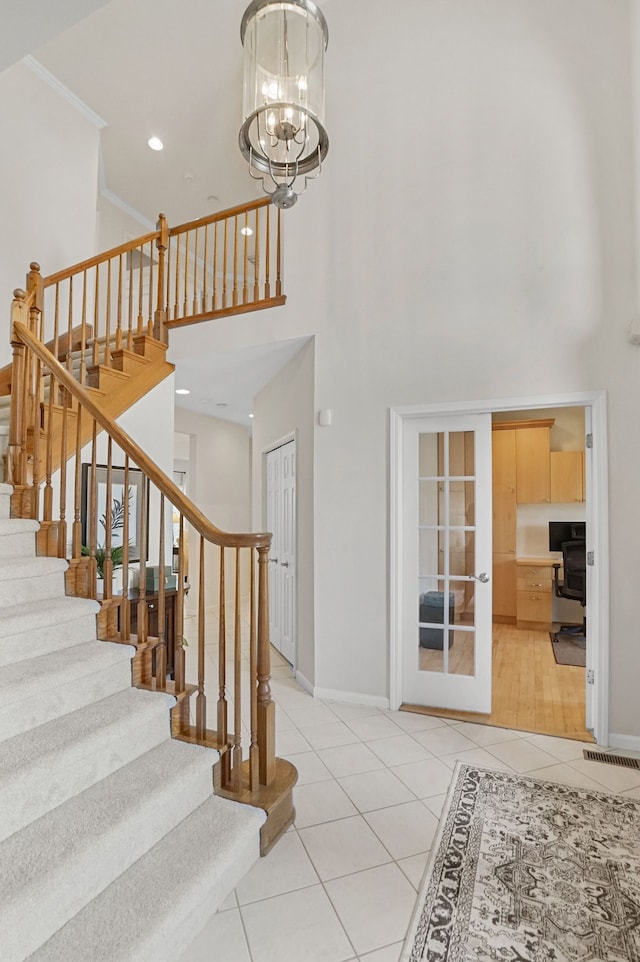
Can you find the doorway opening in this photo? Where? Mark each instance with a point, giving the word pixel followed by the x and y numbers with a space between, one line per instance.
pixel 280 482
pixel 532 691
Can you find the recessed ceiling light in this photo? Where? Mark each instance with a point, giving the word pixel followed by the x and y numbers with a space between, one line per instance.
pixel 246 231
pixel 182 390
pixel 251 415
pixel 155 143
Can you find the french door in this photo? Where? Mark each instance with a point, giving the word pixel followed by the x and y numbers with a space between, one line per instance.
pixel 446 562
pixel 281 521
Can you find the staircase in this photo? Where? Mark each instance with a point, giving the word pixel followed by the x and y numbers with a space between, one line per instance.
pixel 112 843
pixel 126 817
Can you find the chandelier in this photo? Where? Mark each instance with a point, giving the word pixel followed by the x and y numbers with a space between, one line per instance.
pixel 282 135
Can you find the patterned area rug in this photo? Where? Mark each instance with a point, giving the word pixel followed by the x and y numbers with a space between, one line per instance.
pixel 526 870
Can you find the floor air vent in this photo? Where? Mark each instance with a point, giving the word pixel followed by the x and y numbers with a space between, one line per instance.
pixel 610 759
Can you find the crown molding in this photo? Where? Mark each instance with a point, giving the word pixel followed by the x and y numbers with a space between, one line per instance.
pixel 63 91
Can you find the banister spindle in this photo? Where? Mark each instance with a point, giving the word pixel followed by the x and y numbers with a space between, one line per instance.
pixel 107 344
pixel 176 310
pixel 214 296
pixel 64 443
pixel 179 658
pixel 119 340
pixel 254 753
pixel 162 242
pixel 195 275
pixel 224 263
pixel 83 333
pixel 205 270
pixel 96 316
pixel 141 324
pixel 245 269
pixel 125 616
pixel 256 257
pixel 267 256
pixel 279 256
pixel 235 261
pixel 186 274
pixel 266 707
pixel 236 762
pixel 222 707
pixel 92 532
pixel 142 613
pixel 151 331
pixel 201 698
pixel 161 651
pixel 107 567
pixel 76 529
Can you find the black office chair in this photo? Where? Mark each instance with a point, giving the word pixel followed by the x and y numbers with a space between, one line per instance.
pixel 574 583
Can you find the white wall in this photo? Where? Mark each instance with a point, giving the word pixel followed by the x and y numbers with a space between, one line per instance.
pixel 48 184
pixel 285 409
pixel 471 237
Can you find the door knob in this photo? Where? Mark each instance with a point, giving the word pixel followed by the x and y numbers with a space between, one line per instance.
pixel 483 577
pixel 284 564
pixel 273 561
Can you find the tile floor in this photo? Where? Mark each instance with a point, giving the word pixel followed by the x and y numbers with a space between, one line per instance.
pixel 341 885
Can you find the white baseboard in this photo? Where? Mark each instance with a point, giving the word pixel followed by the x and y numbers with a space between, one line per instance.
pixel 629 742
pixel 347 697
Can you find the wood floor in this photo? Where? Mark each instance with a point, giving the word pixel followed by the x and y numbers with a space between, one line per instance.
pixel 530 691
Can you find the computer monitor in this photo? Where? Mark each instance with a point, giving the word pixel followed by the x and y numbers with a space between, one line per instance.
pixel 561 531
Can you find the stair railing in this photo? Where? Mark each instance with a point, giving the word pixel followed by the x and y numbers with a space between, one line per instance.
pixel 134 504
pixel 227 263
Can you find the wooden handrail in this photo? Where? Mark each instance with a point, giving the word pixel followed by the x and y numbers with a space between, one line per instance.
pixel 186 507
pixel 125 248
pixel 220 216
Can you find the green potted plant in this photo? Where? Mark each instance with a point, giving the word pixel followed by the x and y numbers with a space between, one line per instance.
pixel 117 523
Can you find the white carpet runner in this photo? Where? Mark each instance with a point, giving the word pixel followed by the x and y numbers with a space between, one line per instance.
pixel 112 845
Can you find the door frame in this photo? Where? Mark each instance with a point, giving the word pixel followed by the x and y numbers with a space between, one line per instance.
pixel 597 517
pixel 267 449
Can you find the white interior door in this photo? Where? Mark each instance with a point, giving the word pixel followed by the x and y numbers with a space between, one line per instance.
pixel 281 521
pixel 446 562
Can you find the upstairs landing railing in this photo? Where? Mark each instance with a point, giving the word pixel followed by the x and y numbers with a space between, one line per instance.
pixel 229 668
pixel 224 264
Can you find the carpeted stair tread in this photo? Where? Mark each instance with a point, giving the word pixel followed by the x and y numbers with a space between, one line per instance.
pixel 95 837
pixel 43 767
pixel 28 631
pixel 25 579
pixel 172 890
pixel 37 690
pixel 10 526
pixel 17 538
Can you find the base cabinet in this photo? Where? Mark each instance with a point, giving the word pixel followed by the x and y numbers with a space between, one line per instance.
pixel 534 595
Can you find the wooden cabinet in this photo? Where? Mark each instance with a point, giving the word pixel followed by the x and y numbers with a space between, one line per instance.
pixel 567 476
pixel 533 464
pixel 504 524
pixel 170 597
pixel 534 594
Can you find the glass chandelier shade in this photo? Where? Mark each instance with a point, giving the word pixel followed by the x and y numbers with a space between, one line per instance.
pixel 283 135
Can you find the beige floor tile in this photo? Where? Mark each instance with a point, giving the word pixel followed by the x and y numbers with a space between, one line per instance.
pixel 310 768
pixel 343 847
pixel 374 726
pixel 374 906
pixel 399 750
pixel 613 778
pixel 564 749
pixel 291 742
pixel 286 868
pixel 390 953
pixel 414 868
pixel 330 736
pixel 404 830
pixel 484 735
pixel 521 755
pixel 444 741
pixel 292 927
pixel 412 722
pixel 372 790
pixel 321 802
pixel 350 759
pixel 425 778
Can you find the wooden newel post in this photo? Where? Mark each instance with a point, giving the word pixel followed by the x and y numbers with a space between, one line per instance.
pixel 266 707
pixel 16 461
pixel 35 285
pixel 160 316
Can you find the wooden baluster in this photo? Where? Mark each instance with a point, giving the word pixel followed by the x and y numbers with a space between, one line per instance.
pixel 35 406
pixel 279 256
pixel 186 274
pixel 125 615
pixel 150 323
pixel 47 504
pixel 224 264
pixel 168 275
pixel 76 528
pixel 92 520
pixel 267 256
pixel 179 658
pixel 64 433
pixel 130 321
pixel 266 707
pixel 235 261
pixel 162 243
pixel 201 698
pixel 195 274
pixel 96 316
pixel 175 306
pixel 119 338
pixel 56 327
pixel 236 762
pixel 107 567
pixel 214 296
pixel 140 253
pixel 70 327
pixel 83 333
pixel 256 259
pixel 254 753
pixel 245 270
pixel 206 269
pixel 107 346
pixel 222 707
pixel 16 462
pixel 161 651
pixel 142 619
